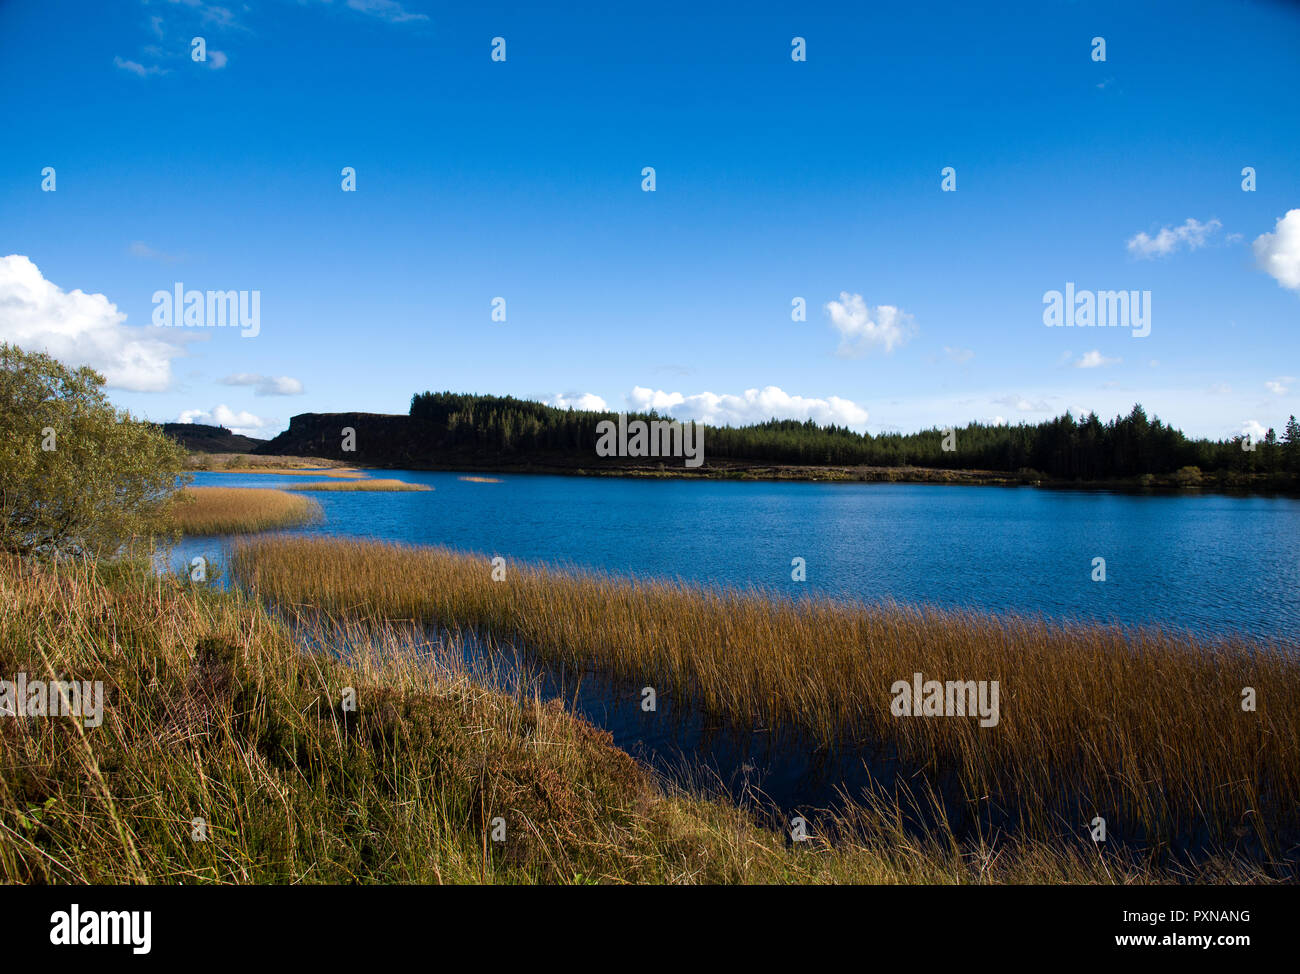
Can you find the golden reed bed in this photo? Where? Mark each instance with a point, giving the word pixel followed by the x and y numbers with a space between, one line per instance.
pixel 1144 729
pixel 236 510
pixel 378 484
pixel 214 719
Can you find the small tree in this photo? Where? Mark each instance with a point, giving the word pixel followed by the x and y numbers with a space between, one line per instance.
pixel 77 476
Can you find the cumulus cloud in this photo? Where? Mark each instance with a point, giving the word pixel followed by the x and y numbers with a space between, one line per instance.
pixel 242 422
pixel 265 385
pixel 1278 253
pixel 862 327
pixel 1254 431
pixel 582 401
pixel 1192 235
pixel 1094 360
pixel 752 406
pixel 81 329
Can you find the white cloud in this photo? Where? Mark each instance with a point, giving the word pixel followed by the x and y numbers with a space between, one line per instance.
pixel 1278 253
pixel 244 423
pixel 1192 235
pixel 1095 360
pixel 139 248
pixel 861 327
pixel 1022 405
pixel 217 60
pixel 211 13
pixel 389 10
pixel 265 385
pixel 587 401
pixel 752 406
pixel 1254 431
pixel 138 69
pixel 80 329
pixel 958 355
pixel 1280 385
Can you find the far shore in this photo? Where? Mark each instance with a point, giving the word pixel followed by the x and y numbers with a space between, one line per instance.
pixel 1179 482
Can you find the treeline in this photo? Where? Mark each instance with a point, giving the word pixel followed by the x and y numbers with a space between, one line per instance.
pixel 1061 448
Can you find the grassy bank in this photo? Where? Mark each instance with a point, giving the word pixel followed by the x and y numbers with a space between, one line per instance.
pixel 214 712
pixel 237 510
pixel 1145 729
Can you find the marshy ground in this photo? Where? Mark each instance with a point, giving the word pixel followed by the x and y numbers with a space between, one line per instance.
pixel 228 755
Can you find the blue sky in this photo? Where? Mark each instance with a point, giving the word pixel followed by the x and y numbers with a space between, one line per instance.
pixel 775 179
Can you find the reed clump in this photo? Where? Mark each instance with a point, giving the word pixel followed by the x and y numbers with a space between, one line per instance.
pixel 378 484
pixel 1147 728
pixel 226 755
pixel 238 510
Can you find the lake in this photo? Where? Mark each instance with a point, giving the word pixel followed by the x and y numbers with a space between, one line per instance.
pixel 1213 564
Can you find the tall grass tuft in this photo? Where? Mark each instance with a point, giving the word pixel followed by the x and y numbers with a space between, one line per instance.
pixel 237 510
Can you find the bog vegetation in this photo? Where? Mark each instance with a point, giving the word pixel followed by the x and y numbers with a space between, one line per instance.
pixel 240 510
pixel 226 755
pixel 367 484
pixel 1147 729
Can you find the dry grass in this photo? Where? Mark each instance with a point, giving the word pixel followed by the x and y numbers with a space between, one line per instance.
pixel 1143 728
pixel 377 485
pixel 237 510
pixel 341 472
pixel 480 480
pixel 271 464
pixel 214 712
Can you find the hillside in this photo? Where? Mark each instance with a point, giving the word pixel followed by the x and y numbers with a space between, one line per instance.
pixel 198 438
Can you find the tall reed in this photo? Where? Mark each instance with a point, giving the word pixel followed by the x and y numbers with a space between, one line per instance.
pixel 1144 728
pixel 226 755
pixel 236 510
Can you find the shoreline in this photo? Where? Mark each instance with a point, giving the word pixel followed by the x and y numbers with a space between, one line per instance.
pixel 1234 485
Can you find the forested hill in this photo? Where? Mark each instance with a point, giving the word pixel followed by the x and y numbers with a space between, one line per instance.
pixel 198 438
pixel 449 429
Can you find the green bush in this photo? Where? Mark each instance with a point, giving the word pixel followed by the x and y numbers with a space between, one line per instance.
pixel 78 476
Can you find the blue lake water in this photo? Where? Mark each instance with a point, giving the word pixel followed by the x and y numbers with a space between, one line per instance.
pixel 1213 564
